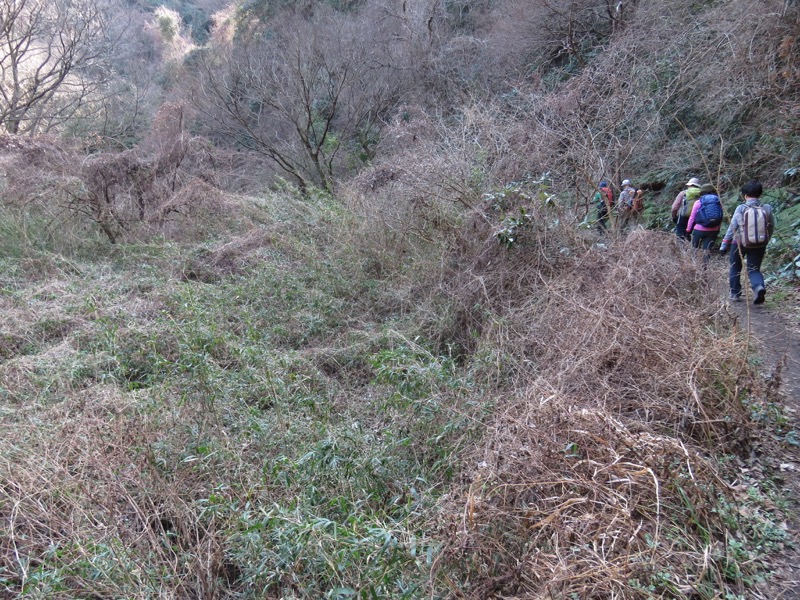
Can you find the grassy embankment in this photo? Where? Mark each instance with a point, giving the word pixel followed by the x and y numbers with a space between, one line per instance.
pixel 312 404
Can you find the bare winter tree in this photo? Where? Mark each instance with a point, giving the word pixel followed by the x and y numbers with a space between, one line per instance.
pixel 306 89
pixel 653 105
pixel 553 33
pixel 51 60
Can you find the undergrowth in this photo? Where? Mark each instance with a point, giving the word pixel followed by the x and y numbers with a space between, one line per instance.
pixel 273 413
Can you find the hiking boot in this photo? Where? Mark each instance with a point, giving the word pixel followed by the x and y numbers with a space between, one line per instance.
pixel 735 297
pixel 761 295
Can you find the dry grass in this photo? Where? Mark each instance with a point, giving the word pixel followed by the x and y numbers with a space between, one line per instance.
pixel 81 497
pixel 621 385
pixel 599 467
pixel 615 378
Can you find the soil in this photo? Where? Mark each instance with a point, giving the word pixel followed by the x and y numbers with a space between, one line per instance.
pixel 775 330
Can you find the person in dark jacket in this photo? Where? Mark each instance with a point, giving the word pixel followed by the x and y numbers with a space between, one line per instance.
pixel 604 200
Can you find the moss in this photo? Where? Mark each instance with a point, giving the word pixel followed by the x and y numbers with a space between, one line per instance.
pixel 789 219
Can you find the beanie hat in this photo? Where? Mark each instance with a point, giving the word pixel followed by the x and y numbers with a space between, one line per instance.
pixel 603 184
pixel 708 189
pixel 626 182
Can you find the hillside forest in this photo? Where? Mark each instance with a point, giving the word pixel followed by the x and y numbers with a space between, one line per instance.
pixel 308 299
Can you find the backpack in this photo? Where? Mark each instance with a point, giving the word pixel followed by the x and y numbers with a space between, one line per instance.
pixel 754 228
pixel 710 212
pixel 609 197
pixel 638 201
pixel 689 198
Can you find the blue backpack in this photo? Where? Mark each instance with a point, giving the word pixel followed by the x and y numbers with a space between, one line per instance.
pixel 710 212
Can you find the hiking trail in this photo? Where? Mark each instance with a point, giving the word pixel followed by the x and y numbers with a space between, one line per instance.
pixel 775 333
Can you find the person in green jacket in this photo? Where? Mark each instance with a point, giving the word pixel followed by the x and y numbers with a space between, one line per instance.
pixel 604 201
pixel 682 207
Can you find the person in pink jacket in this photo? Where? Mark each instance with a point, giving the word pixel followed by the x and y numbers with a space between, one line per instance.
pixel 706 220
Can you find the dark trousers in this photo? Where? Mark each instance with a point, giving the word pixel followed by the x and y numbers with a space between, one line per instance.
pixel 704 240
pixel 753 258
pixel 680 228
pixel 602 216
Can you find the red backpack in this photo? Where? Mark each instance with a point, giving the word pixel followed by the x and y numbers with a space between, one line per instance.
pixel 609 195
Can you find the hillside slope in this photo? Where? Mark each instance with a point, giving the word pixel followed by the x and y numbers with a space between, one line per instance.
pixel 308 404
pixel 433 378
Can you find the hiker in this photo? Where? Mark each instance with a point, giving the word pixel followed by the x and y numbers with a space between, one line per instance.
pixel 625 203
pixel 682 207
pixel 747 237
pixel 604 201
pixel 638 206
pixel 705 220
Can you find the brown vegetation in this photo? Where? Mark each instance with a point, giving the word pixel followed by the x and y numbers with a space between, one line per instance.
pixel 303 392
pixel 601 449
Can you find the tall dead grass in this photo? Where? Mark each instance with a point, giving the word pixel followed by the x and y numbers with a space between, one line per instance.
pixel 56 195
pixel 599 475
pixel 86 510
pixel 620 383
pixel 622 386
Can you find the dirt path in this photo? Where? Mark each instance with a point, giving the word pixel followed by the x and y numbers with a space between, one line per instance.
pixel 776 335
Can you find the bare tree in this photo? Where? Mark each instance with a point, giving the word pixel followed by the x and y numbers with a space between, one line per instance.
pixel 51 60
pixel 303 89
pixel 553 33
